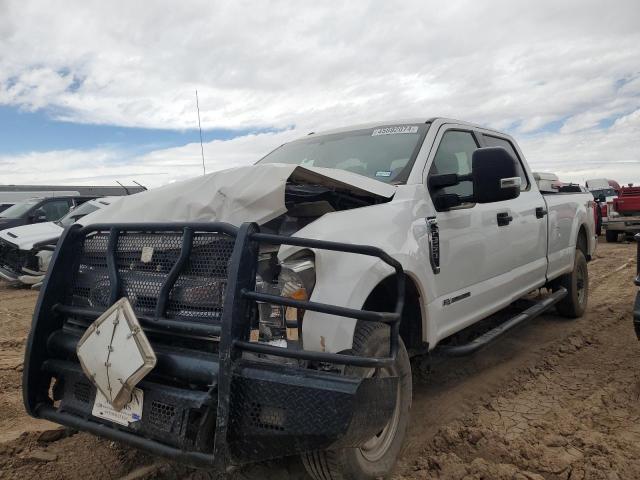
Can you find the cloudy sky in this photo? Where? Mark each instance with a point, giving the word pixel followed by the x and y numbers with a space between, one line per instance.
pixel 93 91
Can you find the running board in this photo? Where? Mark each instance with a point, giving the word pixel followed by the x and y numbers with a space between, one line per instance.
pixel 488 337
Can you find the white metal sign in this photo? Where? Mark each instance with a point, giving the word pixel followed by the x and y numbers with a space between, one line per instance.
pixel 115 354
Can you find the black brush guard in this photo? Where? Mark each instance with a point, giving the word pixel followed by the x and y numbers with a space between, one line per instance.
pixel 211 409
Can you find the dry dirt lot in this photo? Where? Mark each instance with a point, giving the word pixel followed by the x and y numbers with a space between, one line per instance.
pixel 556 399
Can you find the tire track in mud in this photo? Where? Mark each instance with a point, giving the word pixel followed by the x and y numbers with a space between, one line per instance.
pixel 553 399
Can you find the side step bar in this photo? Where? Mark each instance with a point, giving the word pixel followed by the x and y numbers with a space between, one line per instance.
pixel 488 337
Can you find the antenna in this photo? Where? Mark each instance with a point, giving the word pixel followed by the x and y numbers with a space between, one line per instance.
pixel 204 170
pixel 140 185
pixel 125 188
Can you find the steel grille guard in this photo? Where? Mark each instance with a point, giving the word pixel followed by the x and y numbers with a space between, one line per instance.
pixel 233 329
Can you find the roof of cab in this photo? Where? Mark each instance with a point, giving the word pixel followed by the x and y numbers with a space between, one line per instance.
pixel 363 126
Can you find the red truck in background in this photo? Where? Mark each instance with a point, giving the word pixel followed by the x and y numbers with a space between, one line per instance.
pixel 604 191
pixel 623 213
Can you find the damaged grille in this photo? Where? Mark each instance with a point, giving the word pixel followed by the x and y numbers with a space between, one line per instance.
pixel 144 261
pixel 12 258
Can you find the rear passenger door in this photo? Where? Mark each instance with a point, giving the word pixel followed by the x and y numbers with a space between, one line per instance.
pixel 527 232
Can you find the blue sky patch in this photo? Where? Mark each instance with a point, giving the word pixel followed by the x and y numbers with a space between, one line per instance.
pixel 22 132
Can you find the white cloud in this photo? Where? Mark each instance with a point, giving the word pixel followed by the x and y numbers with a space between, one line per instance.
pixel 515 65
pixel 612 152
pixel 104 166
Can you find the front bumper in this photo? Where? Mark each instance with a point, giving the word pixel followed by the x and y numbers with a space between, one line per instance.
pixel 215 407
pixel 14 263
pixel 623 224
pixel 20 279
pixel 274 411
pixel 8 275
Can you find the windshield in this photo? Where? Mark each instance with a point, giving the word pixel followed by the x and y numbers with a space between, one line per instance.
pixel 384 153
pixel 19 209
pixel 607 192
pixel 71 217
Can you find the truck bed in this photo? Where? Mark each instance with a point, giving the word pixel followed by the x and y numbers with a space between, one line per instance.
pixel 628 201
pixel 566 211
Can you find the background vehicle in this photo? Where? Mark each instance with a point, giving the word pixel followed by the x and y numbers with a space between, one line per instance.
pixel 281 301
pixel 25 251
pixel 38 210
pixel 624 213
pixel 604 191
pixel 8 199
pixel 94 191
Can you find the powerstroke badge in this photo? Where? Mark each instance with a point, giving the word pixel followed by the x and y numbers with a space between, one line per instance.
pixel 434 244
pixel 395 130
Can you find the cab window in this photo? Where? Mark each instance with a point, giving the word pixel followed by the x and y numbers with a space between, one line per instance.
pixel 506 144
pixel 454 156
pixel 55 209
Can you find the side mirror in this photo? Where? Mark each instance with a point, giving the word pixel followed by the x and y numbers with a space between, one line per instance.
pixel 39 216
pixel 495 175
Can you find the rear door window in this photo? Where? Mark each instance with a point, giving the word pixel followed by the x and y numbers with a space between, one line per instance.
pixel 492 141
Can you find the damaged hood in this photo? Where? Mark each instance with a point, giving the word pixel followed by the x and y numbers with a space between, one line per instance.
pixel 26 236
pixel 254 193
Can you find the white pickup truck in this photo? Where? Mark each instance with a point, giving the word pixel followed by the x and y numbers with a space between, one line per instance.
pixel 25 251
pixel 271 310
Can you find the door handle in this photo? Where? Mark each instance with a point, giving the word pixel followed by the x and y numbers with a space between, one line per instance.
pixel 504 219
pixel 541 212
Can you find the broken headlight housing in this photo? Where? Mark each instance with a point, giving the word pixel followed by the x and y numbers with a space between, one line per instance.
pixel 295 278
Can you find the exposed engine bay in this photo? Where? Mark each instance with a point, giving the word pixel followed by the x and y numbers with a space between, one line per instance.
pixel 305 203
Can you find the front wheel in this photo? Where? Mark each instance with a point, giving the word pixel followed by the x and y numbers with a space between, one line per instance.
pixel 376 457
pixel 577 285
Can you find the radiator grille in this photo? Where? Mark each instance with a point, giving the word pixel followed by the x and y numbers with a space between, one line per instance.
pixel 12 258
pixel 143 261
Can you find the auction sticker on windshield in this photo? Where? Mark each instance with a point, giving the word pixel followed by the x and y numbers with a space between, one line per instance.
pixel 131 412
pixel 395 130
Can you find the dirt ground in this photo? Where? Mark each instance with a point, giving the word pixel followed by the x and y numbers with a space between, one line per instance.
pixel 555 399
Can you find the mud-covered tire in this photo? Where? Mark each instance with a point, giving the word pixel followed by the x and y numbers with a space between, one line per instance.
pixel 370 339
pixel 611 236
pixel 577 284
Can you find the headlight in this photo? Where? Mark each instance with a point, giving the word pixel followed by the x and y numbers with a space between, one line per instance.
pixel 44 258
pixel 296 280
